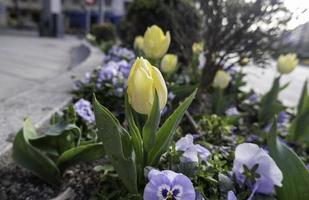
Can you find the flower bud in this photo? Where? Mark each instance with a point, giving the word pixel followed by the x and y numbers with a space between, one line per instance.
pixel 244 61
pixel 197 47
pixel 221 80
pixel 169 63
pixel 155 42
pixel 286 63
pixel 144 80
pixel 138 42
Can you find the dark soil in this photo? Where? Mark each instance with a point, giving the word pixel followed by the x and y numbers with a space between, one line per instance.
pixel 17 183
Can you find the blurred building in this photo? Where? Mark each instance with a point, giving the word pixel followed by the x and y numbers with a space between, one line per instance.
pixel 298 40
pixel 26 13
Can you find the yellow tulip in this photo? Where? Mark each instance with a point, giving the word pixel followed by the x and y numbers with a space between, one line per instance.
pixel 197 47
pixel 287 63
pixel 155 42
pixel 169 63
pixel 144 79
pixel 221 80
pixel 244 61
pixel 138 42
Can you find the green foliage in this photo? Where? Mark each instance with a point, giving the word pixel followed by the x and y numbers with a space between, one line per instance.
pixel 129 153
pixel 270 106
pixel 295 175
pixel 299 129
pixel 49 154
pixel 165 134
pixel 215 128
pixel 117 145
pixel 177 16
pixel 151 125
pixel 104 32
pixel 31 158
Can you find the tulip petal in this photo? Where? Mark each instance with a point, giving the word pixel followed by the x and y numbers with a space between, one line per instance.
pixel 160 86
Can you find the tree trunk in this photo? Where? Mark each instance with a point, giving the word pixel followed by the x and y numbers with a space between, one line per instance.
pixel 204 98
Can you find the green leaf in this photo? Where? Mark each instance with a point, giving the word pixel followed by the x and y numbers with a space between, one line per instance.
pixel 117 145
pixel 269 103
pixel 56 142
pixel 295 175
pixel 303 104
pixel 151 125
pixel 299 129
pixel 165 134
pixel 136 139
pixel 82 153
pixel 31 158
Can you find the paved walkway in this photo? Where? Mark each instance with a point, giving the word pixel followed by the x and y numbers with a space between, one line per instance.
pixel 27 61
pixel 261 81
pixel 35 79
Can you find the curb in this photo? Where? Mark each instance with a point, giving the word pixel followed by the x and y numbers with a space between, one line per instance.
pixel 41 103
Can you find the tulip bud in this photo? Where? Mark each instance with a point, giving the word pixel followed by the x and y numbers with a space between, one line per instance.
pixel 287 63
pixel 155 42
pixel 138 42
pixel 169 63
pixel 221 80
pixel 244 61
pixel 144 80
pixel 197 47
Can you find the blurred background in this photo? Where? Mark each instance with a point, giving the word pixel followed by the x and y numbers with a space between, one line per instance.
pixel 268 28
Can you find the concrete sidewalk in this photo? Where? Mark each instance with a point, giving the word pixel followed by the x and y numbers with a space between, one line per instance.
pixel 28 61
pixel 35 75
pixel 260 80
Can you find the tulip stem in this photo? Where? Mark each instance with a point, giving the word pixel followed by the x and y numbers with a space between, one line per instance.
pixel 193 123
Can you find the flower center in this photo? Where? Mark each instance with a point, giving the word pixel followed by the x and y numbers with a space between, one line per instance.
pixel 251 174
pixel 167 193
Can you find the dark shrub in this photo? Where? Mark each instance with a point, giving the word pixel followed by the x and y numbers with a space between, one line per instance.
pixel 104 32
pixel 179 17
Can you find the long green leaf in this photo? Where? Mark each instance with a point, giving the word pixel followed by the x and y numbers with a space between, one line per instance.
pixel 116 145
pixel 137 140
pixel 299 129
pixel 166 132
pixel 31 158
pixel 303 104
pixel 151 125
pixel 295 175
pixel 269 103
pixel 87 152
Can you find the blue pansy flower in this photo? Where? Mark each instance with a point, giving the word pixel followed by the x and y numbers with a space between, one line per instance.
pixel 255 168
pixel 191 152
pixel 167 184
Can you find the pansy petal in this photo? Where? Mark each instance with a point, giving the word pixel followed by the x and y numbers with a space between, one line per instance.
pixel 154 187
pixel 184 183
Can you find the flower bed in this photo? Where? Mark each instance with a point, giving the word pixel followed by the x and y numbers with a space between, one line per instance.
pixel 132 124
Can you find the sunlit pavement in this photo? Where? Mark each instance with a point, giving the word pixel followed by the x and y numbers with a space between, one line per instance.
pixel 260 80
pixel 27 61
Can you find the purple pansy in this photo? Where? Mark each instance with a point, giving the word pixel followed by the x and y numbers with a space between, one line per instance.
pixel 232 111
pixel 108 71
pixel 191 152
pixel 307 166
pixel 231 195
pixel 255 168
pixel 83 108
pixel 168 185
pixel 124 68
